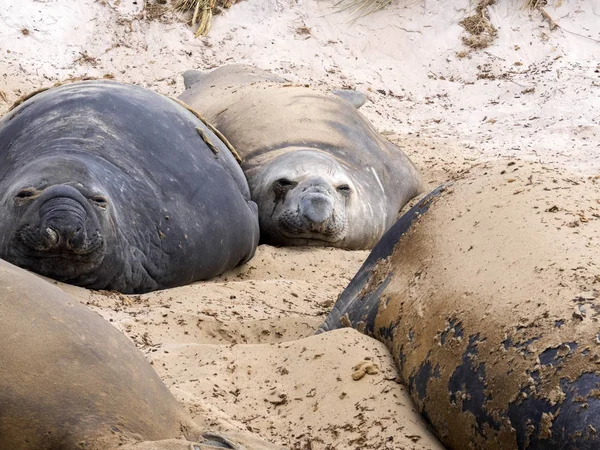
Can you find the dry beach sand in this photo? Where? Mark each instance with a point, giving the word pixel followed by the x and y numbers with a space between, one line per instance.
pixel 232 351
pixel 238 351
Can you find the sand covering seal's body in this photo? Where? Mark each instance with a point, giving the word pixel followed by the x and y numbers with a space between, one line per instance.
pixel 318 170
pixel 69 380
pixel 489 303
pixel 112 186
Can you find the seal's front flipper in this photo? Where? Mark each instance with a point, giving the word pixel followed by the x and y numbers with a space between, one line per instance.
pixel 355 98
pixel 191 77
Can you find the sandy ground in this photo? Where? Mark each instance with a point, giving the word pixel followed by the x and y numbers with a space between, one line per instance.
pixel 238 351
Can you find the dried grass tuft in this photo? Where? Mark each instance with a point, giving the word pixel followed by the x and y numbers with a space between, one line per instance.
pixel 539 5
pixel 481 31
pixel 361 8
pixel 534 4
pixel 202 12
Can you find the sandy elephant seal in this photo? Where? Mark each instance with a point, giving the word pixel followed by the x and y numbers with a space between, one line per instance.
pixel 69 380
pixel 489 304
pixel 318 170
pixel 112 186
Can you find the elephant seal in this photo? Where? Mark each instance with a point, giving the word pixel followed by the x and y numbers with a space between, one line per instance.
pixel 319 172
pixel 112 186
pixel 489 304
pixel 69 380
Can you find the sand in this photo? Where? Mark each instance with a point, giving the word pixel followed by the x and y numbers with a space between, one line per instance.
pixel 238 351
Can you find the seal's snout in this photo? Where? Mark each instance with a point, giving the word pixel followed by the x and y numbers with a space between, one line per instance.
pixel 314 213
pixel 64 237
pixel 63 223
pixel 59 221
pixel 316 207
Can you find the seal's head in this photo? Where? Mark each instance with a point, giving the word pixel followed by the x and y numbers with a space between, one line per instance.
pixel 304 199
pixel 60 220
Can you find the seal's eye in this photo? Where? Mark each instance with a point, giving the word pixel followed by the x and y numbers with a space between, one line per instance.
pixel 99 200
pixel 344 189
pixel 284 183
pixel 26 193
pixel 281 187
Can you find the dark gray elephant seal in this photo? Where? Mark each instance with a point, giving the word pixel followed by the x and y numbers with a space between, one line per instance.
pixel 69 380
pixel 489 303
pixel 319 172
pixel 111 186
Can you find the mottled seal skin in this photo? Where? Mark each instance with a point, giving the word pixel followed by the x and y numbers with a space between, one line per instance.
pixel 318 170
pixel 487 297
pixel 110 186
pixel 70 380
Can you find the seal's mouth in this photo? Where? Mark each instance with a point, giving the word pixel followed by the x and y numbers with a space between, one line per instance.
pixel 46 252
pixel 48 243
pixel 295 226
pixel 62 265
pixel 323 235
pixel 310 240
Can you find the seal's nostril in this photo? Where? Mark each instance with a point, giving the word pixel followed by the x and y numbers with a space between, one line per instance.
pixel 76 239
pixel 51 236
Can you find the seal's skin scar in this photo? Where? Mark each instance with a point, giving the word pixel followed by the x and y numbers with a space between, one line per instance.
pixel 111 186
pixel 70 380
pixel 488 303
pixel 318 170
